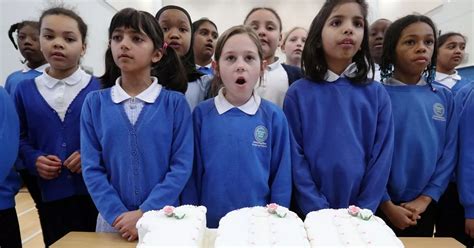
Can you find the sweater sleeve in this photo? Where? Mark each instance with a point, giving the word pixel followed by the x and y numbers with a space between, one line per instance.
pixel 9 134
pixel 307 194
pixel 104 195
pixel 446 163
pixel 280 170
pixel 181 161
pixel 380 160
pixel 27 151
pixel 465 169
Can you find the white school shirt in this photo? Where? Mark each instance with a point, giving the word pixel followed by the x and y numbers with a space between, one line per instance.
pixel 447 79
pixel 134 105
pixel 250 107
pixel 38 69
pixel 395 82
pixel 330 76
pixel 59 93
pixel 274 83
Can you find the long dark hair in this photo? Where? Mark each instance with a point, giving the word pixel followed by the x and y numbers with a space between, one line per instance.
pixel 169 70
pixel 188 59
pixel 313 61
pixel 392 35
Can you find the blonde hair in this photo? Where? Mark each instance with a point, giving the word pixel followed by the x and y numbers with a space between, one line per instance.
pixel 287 34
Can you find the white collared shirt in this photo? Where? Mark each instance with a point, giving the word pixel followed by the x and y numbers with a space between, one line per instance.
pixel 394 82
pixel 448 80
pixel 274 83
pixel 40 68
pixel 250 107
pixel 350 70
pixel 134 105
pixel 59 93
pixel 208 66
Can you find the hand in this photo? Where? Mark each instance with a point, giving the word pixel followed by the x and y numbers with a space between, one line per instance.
pixel 469 227
pixel 126 224
pixel 48 167
pixel 399 216
pixel 419 205
pixel 73 163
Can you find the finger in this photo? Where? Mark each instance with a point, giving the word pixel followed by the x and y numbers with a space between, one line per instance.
pixel 47 168
pixel 75 164
pixel 71 158
pixel 54 158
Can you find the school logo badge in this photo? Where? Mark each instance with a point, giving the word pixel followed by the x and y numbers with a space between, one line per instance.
pixel 260 135
pixel 439 112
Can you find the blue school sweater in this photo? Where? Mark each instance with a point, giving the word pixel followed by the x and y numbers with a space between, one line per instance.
pixel 343 137
pixel 43 133
pixel 458 86
pixel 425 142
pixel 16 77
pixel 465 168
pixel 143 166
pixel 241 160
pixel 9 139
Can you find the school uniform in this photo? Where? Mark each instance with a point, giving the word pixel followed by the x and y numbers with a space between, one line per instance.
pixel 135 157
pixel 9 179
pixel 343 137
pixel 465 168
pixel 425 147
pixel 198 90
pixel 26 73
pixel 242 156
pixel 454 82
pixel 206 70
pixel 275 81
pixel 49 110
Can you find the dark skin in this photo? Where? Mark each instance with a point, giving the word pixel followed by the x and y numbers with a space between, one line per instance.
pixel 28 43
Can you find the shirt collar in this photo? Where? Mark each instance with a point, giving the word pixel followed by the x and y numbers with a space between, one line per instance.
pixel 208 66
pixel 275 64
pixel 149 95
pixel 40 68
pixel 394 82
pixel 250 107
pixel 73 79
pixel 349 71
pixel 442 76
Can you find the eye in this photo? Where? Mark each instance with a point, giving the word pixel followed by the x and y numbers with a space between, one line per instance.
pixel 137 38
pixel 359 24
pixel 451 46
pixel 270 28
pixel 335 23
pixel 69 40
pixel 48 36
pixel 429 42
pixel 116 37
pixel 304 40
pixel 254 27
pixel 293 39
pixel 462 47
pixel 183 30
pixel 249 58
pixel 230 58
pixel 165 29
pixel 410 42
pixel 21 37
pixel 203 32
pixel 215 36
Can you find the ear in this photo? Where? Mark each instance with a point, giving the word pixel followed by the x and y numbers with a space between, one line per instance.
pixel 215 67
pixel 84 47
pixel 157 55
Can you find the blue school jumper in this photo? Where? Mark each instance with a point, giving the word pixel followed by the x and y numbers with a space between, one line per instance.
pixel 241 160
pixel 457 87
pixel 425 142
pixel 9 140
pixel 343 137
pixel 16 77
pixel 43 133
pixel 143 166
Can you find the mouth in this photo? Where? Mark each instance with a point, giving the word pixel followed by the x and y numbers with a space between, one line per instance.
pixel 378 45
pixel 57 55
pixel 174 45
pixel 209 46
pixel 125 56
pixel 421 60
pixel 264 42
pixel 457 58
pixel 298 51
pixel 240 81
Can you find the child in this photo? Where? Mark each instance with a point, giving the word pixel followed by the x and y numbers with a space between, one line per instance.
pixel 293 44
pixel 9 180
pixel 242 141
pixel 28 43
pixel 341 121
pixel 177 27
pixel 451 49
pixel 136 135
pixel 278 77
pixel 376 36
pixel 49 108
pixel 204 44
pixel 465 174
pixel 425 127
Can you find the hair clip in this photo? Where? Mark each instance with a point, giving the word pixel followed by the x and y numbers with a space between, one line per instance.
pixel 165 45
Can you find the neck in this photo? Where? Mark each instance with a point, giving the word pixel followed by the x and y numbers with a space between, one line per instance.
pixel 35 64
pixel 294 62
pixel 236 100
pixel 338 67
pixel 61 74
pixel 134 84
pixel 445 70
pixel 270 60
pixel 411 79
pixel 377 60
pixel 202 61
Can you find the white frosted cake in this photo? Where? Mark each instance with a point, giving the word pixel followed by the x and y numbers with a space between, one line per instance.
pixel 349 227
pixel 182 226
pixel 271 226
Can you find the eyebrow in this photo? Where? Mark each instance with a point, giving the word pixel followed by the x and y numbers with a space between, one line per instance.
pixel 65 32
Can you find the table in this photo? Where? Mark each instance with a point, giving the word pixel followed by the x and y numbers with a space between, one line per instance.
pixel 100 240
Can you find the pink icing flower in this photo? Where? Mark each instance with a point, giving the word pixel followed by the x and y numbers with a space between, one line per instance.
pixel 353 210
pixel 272 207
pixel 169 211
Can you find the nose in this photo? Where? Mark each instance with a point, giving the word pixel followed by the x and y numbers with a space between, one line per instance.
pixel 421 47
pixel 58 44
pixel 260 31
pixel 173 33
pixel 348 29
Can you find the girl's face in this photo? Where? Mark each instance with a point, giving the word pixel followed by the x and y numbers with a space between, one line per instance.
pixel 376 35
pixel 266 25
pixel 61 42
pixel 177 30
pixel 205 39
pixel 342 35
pixel 239 67
pixel 293 47
pixel 451 53
pixel 133 51
pixel 28 42
pixel 414 50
